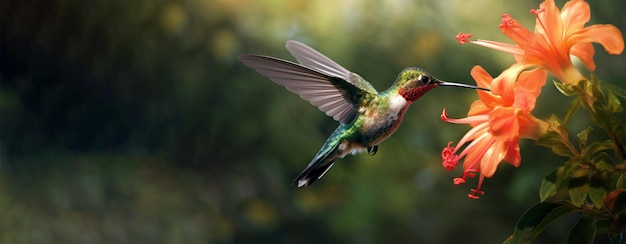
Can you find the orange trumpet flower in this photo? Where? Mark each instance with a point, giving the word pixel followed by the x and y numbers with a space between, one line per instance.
pixel 557 35
pixel 499 119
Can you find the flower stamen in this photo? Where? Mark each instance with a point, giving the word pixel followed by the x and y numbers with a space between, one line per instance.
pixel 462 38
pixel 474 194
pixel 450 161
pixel 458 181
pixel 537 11
pixel 507 22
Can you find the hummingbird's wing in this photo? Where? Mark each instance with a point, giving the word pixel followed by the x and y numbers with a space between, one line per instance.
pixel 313 59
pixel 333 95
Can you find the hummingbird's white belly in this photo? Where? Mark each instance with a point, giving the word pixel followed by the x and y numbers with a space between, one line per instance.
pixel 350 148
pixel 381 123
pixel 377 124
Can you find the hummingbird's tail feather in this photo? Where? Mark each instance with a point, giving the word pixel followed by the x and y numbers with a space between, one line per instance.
pixel 312 174
pixel 320 164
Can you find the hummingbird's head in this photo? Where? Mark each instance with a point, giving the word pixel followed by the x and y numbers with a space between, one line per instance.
pixel 412 83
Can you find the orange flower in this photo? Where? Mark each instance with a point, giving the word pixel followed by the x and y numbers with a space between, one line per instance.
pixel 499 119
pixel 557 35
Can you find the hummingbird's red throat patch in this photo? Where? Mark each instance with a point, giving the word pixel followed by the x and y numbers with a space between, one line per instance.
pixel 415 93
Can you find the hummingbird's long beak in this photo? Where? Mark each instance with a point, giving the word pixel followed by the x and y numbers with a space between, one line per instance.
pixel 447 83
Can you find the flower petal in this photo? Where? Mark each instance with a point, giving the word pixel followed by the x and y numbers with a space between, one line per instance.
pixel 524 99
pixel 549 22
pixel 512 155
pixel 606 35
pixel 505 82
pixel 533 80
pixel 584 52
pixel 575 14
pixel 481 76
pixel 530 126
pixel 503 124
pixel 491 159
pixel 489 99
pixel 478 107
pixel 476 152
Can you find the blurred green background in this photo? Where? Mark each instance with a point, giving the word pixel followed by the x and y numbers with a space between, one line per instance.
pixel 132 121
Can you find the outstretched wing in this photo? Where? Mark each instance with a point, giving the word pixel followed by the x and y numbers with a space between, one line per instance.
pixel 313 59
pixel 333 95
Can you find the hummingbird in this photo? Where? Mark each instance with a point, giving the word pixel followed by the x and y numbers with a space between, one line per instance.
pixel 367 117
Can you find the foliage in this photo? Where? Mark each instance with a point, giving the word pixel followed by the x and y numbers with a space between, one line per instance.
pixel 595 167
pixel 593 175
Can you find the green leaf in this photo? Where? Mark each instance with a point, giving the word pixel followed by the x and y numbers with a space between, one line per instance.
pixel 537 218
pixel 583 232
pixel 606 120
pixel 549 185
pixel 566 89
pixel 553 216
pixel 613 104
pixel 593 86
pixel 597 189
pixel 571 109
pixel 563 150
pixel 557 180
pixel 549 139
pixel 597 147
pixel 582 137
pixel 612 88
pixel 553 140
pixel 603 161
pixel 578 186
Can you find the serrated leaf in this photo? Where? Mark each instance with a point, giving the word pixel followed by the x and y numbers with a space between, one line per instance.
pixel 612 88
pixel 614 105
pixel 564 88
pixel 549 139
pixel 597 194
pixel 597 147
pixel 597 189
pixel 557 180
pixel 582 137
pixel 549 185
pixel 593 86
pixel 555 214
pixel 537 218
pixel 578 194
pixel 606 120
pixel 562 150
pixel 578 186
pixel 583 232
pixel 603 161
pixel 571 109
pixel 553 140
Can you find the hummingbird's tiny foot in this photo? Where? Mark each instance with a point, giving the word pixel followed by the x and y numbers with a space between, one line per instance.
pixel 372 150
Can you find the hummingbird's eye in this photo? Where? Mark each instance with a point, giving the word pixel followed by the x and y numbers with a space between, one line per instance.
pixel 423 79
